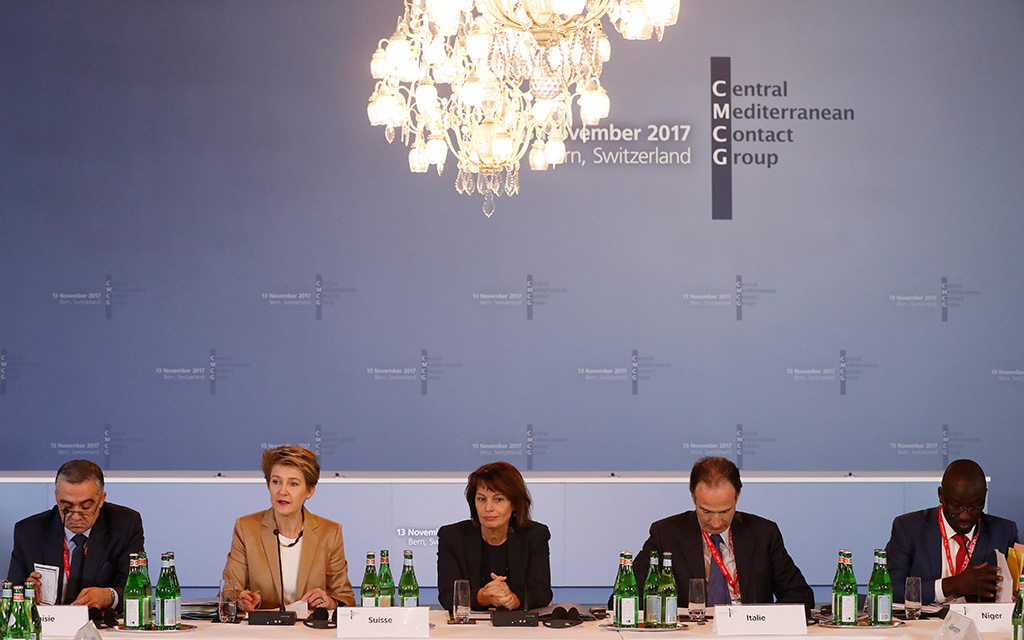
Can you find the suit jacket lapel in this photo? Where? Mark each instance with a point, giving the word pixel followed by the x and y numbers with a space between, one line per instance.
pixel 691 544
pixel 984 541
pixel 517 562
pixel 96 549
pixel 474 548
pixel 933 542
pixel 53 550
pixel 310 542
pixel 743 548
pixel 270 551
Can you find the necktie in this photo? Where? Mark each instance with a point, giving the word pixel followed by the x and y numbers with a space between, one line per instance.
pixel 77 563
pixel 961 553
pixel 718 589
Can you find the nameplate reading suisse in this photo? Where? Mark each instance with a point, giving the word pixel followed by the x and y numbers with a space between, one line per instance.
pixel 760 620
pixel 63 620
pixel 383 622
pixel 987 616
pixel 957 626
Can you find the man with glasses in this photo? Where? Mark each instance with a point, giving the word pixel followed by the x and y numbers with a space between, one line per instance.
pixel 86 538
pixel 951 547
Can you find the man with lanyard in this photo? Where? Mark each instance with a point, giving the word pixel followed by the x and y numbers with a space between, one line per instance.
pixel 83 539
pixel 741 555
pixel 951 547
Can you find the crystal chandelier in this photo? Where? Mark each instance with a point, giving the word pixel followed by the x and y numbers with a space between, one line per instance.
pixel 483 78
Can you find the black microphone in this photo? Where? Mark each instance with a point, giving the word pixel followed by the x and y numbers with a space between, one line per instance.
pixel 280 568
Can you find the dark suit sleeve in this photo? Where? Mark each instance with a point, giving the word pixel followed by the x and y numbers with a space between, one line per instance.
pixel 788 583
pixel 449 566
pixel 538 570
pixel 136 543
pixel 899 557
pixel 21 565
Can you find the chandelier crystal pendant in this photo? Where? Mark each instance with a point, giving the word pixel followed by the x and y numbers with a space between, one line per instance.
pixel 493 80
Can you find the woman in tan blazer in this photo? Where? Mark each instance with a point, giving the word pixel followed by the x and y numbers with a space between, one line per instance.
pixel 312 552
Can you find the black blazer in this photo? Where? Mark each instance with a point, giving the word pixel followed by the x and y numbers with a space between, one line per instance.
pixel 765 570
pixel 459 557
pixel 116 533
pixel 915 549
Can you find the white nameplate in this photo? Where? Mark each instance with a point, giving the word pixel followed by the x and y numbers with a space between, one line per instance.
pixel 383 622
pixel 957 626
pixel 760 620
pixel 63 620
pixel 987 616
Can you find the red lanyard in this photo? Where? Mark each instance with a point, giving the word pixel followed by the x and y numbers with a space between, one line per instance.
pixel 949 557
pixel 731 579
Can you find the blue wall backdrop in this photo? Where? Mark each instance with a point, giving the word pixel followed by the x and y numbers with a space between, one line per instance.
pixel 207 250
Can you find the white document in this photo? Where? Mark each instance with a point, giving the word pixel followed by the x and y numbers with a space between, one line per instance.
pixel 1005 591
pixel 47 583
pixel 300 607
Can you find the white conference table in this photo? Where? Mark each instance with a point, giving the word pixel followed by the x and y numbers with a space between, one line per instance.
pixel 482 630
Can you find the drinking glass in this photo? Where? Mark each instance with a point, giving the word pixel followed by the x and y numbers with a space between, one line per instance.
pixel 227 607
pixel 912 598
pixel 461 602
pixel 698 599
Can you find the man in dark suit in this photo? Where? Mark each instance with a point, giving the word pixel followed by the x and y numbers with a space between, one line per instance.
pixel 85 537
pixel 953 553
pixel 741 555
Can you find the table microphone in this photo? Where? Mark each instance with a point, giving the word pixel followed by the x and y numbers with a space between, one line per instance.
pixel 280 617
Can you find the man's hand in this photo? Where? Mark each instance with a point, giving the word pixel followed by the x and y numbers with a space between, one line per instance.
pixel 978 579
pixel 36 579
pixel 98 597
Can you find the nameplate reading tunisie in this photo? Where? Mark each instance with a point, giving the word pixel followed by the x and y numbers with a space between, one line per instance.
pixel 987 616
pixel 957 626
pixel 63 620
pixel 760 620
pixel 383 622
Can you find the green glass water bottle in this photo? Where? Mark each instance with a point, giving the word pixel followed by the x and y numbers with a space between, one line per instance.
pixel 368 590
pixel 134 595
pixel 880 591
pixel 627 595
pixel 385 583
pixel 652 598
pixel 408 587
pixel 669 593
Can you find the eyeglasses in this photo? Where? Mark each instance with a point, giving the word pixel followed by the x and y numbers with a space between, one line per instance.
pixel 973 510
pixel 78 512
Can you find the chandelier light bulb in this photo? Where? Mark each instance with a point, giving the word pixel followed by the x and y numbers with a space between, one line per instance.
pixel 604 48
pixel 537 160
pixel 445 15
pixel 418 162
pixel 554 151
pixel 378 64
pixel 502 148
pixel 568 7
pixel 437 149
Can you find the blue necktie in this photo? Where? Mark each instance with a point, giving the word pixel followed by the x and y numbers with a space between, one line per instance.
pixel 718 589
pixel 77 564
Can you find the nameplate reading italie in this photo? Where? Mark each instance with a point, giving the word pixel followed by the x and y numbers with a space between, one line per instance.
pixel 63 620
pixel 760 620
pixel 957 626
pixel 987 616
pixel 383 622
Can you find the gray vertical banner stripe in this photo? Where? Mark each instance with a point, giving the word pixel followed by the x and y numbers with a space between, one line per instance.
pixel 634 370
pixel 529 447
pixel 106 446
pixel 945 446
pixel 739 297
pixel 319 302
pixel 529 296
pixel 842 372
pixel 317 432
pixel 3 372
pixel 423 372
pixel 108 294
pixel 721 139
pixel 213 372
pixel 944 298
pixel 739 446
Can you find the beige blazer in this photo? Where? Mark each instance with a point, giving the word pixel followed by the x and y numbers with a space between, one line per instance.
pixel 252 562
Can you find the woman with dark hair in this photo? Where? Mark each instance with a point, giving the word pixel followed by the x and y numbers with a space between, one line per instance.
pixel 311 548
pixel 502 553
